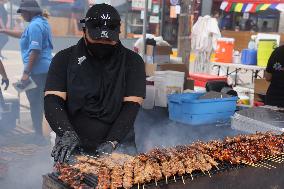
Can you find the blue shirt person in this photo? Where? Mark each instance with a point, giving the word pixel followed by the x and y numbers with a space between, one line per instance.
pixel 37 36
pixel 36 48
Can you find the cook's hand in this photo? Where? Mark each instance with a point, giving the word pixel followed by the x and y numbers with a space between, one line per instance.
pixel 106 148
pixel 5 81
pixel 25 77
pixel 65 146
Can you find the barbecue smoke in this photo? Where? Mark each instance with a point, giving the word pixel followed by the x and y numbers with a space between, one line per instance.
pixel 156 130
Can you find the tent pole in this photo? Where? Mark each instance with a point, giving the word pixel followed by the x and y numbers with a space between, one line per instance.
pixel 145 30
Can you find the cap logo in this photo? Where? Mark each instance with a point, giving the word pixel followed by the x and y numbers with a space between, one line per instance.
pixel 104 34
pixel 105 17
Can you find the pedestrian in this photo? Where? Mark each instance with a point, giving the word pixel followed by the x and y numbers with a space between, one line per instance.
pixel 5 81
pixel 94 90
pixel 275 74
pixel 3 24
pixel 36 48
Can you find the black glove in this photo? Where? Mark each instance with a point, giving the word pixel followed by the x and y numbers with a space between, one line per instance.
pixel 106 148
pixel 6 83
pixel 65 146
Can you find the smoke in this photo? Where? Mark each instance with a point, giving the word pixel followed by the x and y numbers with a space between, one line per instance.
pixel 26 173
pixel 154 129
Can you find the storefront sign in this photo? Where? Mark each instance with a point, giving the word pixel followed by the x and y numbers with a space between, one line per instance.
pixel 154 19
pixel 140 4
pixel 156 9
pixel 173 13
pixel 178 9
pixel 246 15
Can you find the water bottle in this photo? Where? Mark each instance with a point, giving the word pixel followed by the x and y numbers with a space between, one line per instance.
pixel 252 44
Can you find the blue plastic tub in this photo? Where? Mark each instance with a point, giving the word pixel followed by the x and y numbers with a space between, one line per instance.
pixel 187 108
pixel 249 57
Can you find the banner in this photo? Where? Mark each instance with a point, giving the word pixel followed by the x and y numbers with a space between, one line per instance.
pixel 251 6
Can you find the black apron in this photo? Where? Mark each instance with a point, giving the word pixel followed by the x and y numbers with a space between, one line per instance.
pixel 95 92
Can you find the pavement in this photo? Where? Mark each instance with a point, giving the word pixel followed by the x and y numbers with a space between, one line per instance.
pixel 22 161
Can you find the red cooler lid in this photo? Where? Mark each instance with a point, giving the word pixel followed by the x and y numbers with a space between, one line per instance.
pixel 206 77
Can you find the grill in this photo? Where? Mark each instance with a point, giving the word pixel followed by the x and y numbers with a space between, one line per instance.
pixel 266 174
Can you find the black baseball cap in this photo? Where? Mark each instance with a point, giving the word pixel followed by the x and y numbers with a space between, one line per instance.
pixel 30 6
pixel 103 22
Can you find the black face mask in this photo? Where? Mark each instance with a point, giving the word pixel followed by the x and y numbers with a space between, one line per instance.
pixel 101 50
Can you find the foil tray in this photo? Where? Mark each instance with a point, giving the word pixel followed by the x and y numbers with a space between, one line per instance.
pixel 258 119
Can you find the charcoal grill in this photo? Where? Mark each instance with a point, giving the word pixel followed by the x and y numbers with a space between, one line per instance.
pixel 227 176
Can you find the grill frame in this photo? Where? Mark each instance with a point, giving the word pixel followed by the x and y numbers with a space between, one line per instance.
pixel 228 176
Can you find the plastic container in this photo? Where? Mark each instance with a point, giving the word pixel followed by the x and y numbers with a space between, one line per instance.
pixel 10 114
pixel 167 82
pixel 200 80
pixel 188 109
pixel 249 57
pixel 265 49
pixel 149 101
pixel 224 51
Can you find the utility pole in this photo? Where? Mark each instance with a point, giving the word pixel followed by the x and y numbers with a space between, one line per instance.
pixel 184 29
pixel 145 24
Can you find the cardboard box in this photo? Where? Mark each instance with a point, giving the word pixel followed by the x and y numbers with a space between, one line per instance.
pixel 150 69
pixel 159 59
pixel 158 50
pixel 260 89
pixel 158 54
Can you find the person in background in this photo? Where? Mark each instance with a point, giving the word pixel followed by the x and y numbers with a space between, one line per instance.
pixel 275 74
pixel 264 27
pixel 94 90
pixel 249 25
pixel 3 24
pixel 36 48
pixel 5 80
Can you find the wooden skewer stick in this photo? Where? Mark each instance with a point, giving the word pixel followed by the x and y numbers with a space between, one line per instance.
pixel 138 185
pixel 191 176
pixel 166 180
pixel 217 167
pixel 143 186
pixel 260 165
pixel 269 165
pixel 156 182
pixel 182 180
pixel 175 179
pixel 209 173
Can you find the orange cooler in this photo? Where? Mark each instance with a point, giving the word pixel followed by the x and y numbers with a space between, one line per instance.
pixel 224 51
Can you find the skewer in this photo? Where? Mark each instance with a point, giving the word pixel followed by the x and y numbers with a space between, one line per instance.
pixel 166 180
pixel 217 167
pixel 191 176
pixel 268 165
pixel 182 180
pixel 143 186
pixel 175 179
pixel 260 165
pixel 209 173
pixel 156 182
pixel 138 185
